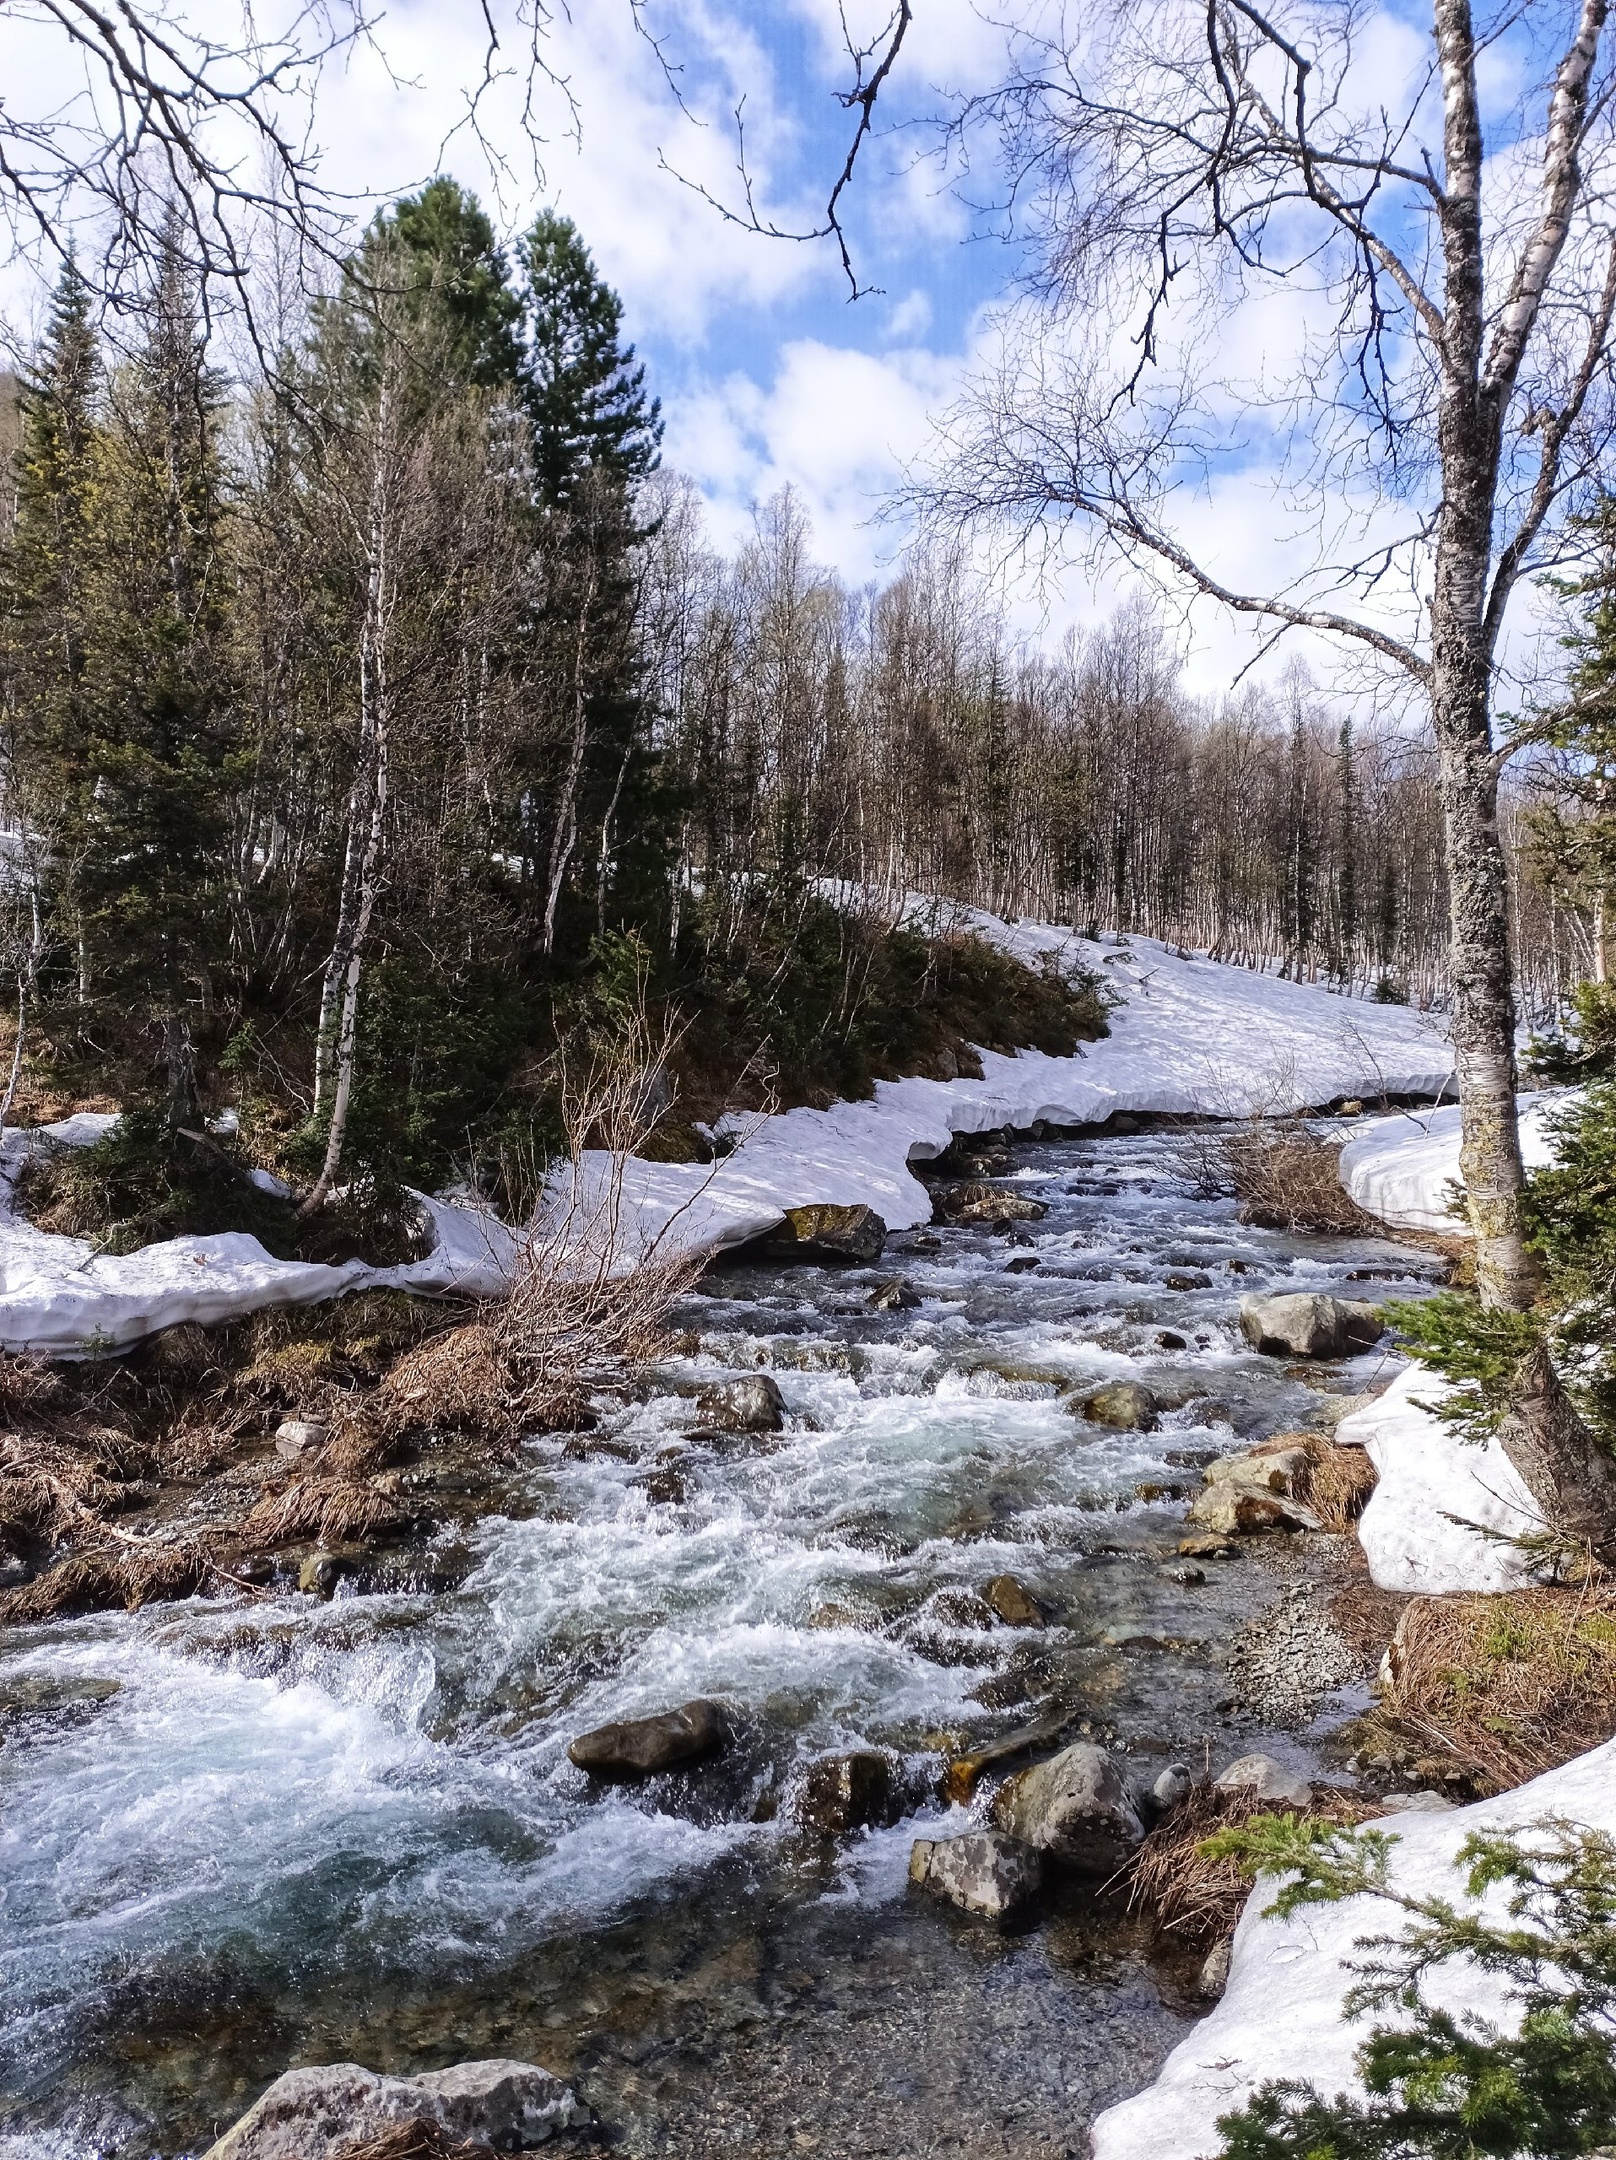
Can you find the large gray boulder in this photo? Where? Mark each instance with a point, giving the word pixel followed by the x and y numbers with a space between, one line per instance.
pixel 1076 1807
pixel 836 1236
pixel 751 1404
pixel 1309 1324
pixel 308 2114
pixel 639 1747
pixel 1267 1780
pixel 983 1872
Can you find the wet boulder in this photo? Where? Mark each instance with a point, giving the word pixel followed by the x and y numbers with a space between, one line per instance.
pixel 640 1747
pixel 1268 1780
pixel 749 1405
pixel 1172 1788
pixel 310 2113
pixel 975 1202
pixel 1237 1511
pixel 893 1296
pixel 1012 1602
pixel 1076 1807
pixel 984 1872
pixel 1125 1406
pixel 1308 1324
pixel 843 1793
pixel 825 1236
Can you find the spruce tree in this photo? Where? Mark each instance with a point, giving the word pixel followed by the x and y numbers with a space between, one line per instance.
pixel 440 244
pixel 585 392
pixel 164 719
pixel 49 580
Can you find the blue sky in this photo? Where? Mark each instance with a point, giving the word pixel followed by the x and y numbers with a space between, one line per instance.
pixel 767 372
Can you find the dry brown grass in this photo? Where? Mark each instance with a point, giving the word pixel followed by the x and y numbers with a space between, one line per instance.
pixel 461 1380
pixel 1505 1687
pixel 1337 1482
pixel 421 2140
pixel 131 1574
pixel 329 1510
pixel 1198 1899
pixel 1287 1178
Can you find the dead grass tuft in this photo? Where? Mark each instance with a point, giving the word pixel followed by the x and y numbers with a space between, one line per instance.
pixel 1287 1178
pixel 130 1574
pixel 330 1510
pixel 1337 1482
pixel 1198 1899
pixel 1505 1687
pixel 459 1380
pixel 420 2140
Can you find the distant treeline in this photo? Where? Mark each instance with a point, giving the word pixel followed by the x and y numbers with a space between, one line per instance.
pixel 372 719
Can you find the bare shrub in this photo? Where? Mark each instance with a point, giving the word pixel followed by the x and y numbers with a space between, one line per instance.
pixel 594 1278
pixel 1194 1897
pixel 1288 1178
pixel 1504 1687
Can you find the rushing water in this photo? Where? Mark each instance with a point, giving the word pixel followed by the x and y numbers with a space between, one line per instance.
pixel 233 1840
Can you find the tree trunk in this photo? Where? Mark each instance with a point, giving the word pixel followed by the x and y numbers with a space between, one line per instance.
pixel 1469 432
pixel 1561 1464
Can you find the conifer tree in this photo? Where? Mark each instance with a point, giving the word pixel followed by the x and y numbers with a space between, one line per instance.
pixel 585 392
pixel 48 596
pixel 159 760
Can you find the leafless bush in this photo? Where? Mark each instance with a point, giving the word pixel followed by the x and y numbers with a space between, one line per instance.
pixel 596 1273
pixel 1288 1178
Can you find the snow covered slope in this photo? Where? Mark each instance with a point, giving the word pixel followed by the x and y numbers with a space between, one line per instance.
pixel 1280 2016
pixel 1423 1530
pixel 1190 1035
pixel 1400 1168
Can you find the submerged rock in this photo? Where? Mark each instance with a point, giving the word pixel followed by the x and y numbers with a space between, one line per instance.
pixel 842 1793
pixel 1012 1602
pixel 1125 1406
pixel 639 1747
pixel 848 1236
pixel 310 2113
pixel 1308 1324
pixel 983 1872
pixel 1267 1780
pixel 1075 1807
pixel 750 1404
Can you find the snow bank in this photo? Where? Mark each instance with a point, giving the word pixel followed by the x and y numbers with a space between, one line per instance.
pixel 1400 1168
pixel 59 1296
pixel 1280 2016
pixel 1422 1530
pixel 1192 1035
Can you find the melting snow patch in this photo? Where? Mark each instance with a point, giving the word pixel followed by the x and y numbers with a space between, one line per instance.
pixel 1280 2016
pixel 1401 1168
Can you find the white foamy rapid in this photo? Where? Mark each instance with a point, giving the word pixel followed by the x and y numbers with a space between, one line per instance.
pixel 287 1796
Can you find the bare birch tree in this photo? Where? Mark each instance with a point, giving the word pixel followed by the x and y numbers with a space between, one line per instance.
pixel 1433 386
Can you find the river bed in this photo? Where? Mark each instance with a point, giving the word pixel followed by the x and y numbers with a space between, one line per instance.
pixel 234 1839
